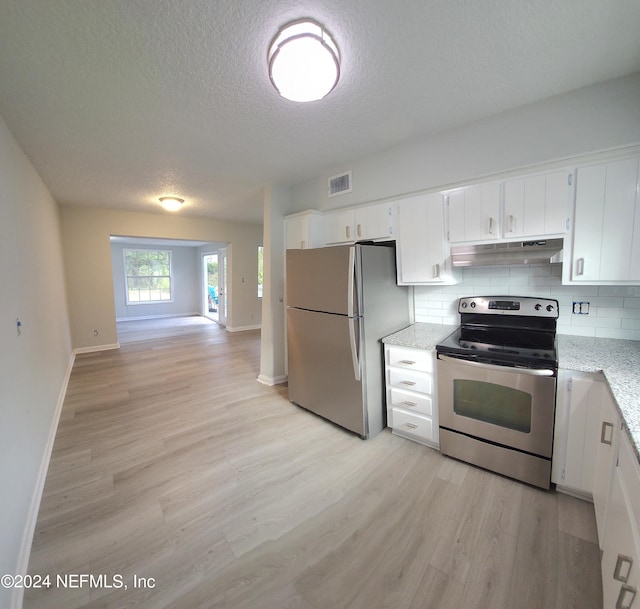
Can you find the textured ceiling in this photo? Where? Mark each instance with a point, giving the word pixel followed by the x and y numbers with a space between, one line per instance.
pixel 117 102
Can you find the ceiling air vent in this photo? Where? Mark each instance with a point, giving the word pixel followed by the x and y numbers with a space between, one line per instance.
pixel 340 184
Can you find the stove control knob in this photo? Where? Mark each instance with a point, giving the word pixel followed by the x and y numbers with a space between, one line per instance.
pixel 538 307
pixel 464 305
pixel 473 305
pixel 549 308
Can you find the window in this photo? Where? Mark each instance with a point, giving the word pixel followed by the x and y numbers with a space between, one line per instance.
pixel 260 257
pixel 148 276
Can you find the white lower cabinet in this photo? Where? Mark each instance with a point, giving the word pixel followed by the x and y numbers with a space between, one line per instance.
pixel 578 406
pixel 606 454
pixel 621 541
pixel 410 388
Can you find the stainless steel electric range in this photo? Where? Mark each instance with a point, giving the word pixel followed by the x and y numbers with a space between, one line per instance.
pixel 497 377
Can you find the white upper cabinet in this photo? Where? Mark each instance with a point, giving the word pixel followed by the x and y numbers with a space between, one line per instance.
pixel 338 227
pixel 373 222
pixel 536 206
pixel 526 207
pixel 421 250
pixel 360 224
pixel 474 213
pixel 606 225
pixel 303 230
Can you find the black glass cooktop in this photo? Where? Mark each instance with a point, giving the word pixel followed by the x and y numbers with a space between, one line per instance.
pixel 507 345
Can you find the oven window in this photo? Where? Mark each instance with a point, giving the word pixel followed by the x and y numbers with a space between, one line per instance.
pixel 491 403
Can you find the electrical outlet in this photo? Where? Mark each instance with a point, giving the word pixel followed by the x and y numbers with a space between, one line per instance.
pixel 581 308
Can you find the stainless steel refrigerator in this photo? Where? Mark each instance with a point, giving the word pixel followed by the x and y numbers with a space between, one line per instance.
pixel 341 301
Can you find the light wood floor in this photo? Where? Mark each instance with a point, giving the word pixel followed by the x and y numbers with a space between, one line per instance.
pixel 171 462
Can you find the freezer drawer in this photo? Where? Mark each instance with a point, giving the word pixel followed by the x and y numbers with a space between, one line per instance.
pixel 323 367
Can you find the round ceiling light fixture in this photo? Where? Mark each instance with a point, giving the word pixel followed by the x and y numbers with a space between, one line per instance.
pixel 171 203
pixel 304 61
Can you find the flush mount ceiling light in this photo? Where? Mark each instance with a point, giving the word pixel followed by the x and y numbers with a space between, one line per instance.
pixel 171 203
pixel 304 61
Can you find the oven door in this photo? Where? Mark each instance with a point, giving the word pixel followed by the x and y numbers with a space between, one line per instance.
pixel 513 407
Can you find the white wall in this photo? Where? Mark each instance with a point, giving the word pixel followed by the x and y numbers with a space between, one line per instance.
pixel 33 365
pixel 603 116
pixel 614 311
pixel 186 264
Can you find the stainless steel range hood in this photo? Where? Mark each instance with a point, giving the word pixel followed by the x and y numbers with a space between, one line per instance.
pixel 514 253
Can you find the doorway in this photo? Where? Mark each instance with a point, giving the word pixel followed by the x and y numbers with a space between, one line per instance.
pixel 215 286
pixel 211 298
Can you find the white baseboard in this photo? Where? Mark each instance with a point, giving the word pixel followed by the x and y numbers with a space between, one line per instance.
pixel 96 348
pixel 143 317
pixel 244 328
pixel 272 380
pixel 34 507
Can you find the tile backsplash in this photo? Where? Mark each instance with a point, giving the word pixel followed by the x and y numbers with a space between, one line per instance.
pixel 614 311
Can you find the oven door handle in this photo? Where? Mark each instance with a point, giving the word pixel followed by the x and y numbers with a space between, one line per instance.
pixel 529 371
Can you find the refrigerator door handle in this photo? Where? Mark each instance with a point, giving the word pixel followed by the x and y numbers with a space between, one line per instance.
pixel 351 281
pixel 355 356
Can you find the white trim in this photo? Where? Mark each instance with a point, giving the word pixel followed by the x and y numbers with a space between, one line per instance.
pixel 270 381
pixel 36 498
pixel 244 328
pixel 96 348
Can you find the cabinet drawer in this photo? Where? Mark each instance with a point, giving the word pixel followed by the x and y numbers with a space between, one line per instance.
pixel 416 402
pixel 412 359
pixel 410 379
pixel 406 423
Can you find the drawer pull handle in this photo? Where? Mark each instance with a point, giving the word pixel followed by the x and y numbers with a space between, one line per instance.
pixel 408 362
pixel 411 425
pixel 603 433
pixel 409 383
pixel 410 404
pixel 620 573
pixel 624 590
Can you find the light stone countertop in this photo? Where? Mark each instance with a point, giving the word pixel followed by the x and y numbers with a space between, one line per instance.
pixel 419 336
pixel 619 360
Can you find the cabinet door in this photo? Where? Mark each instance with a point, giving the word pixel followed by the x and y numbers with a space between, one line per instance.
pixel 607 441
pixel 338 227
pixel 584 416
pixel 474 213
pixel 578 407
pixel 617 228
pixel 536 206
pixel 621 547
pixel 303 231
pixel 556 205
pixel 373 222
pixel 421 251
pixel 606 236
